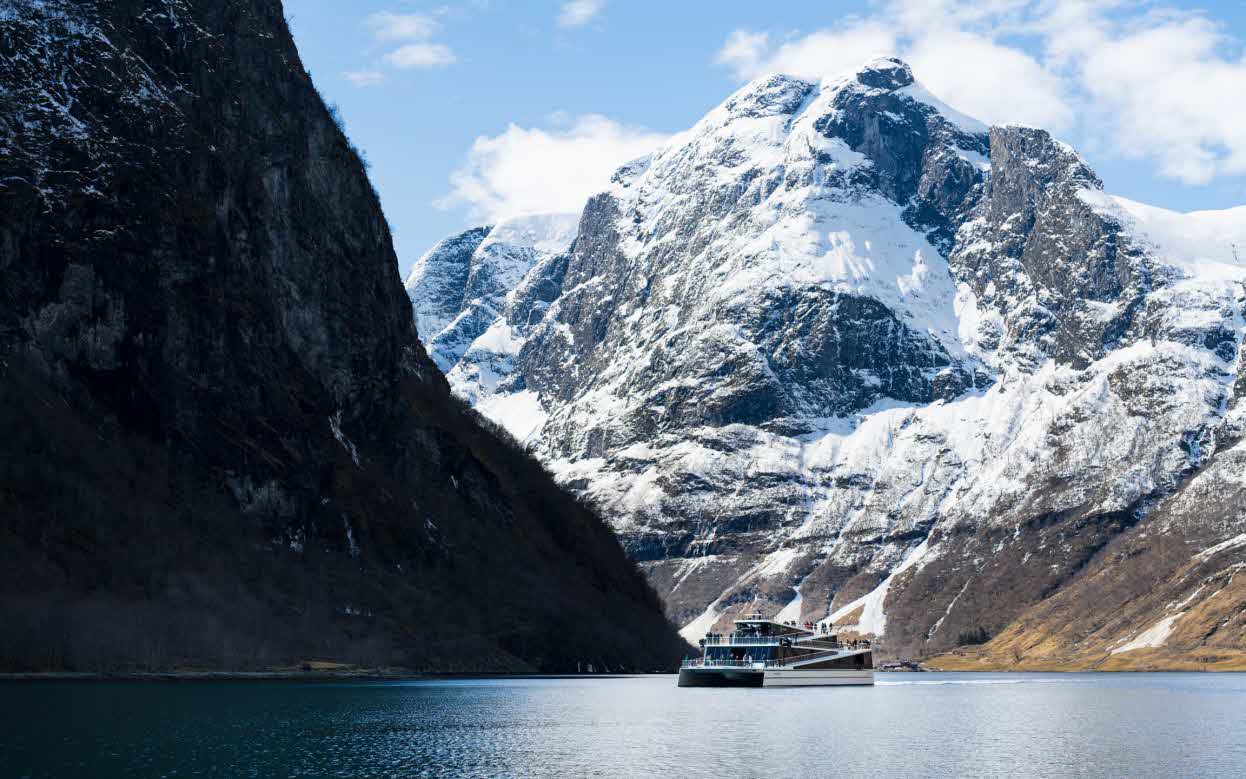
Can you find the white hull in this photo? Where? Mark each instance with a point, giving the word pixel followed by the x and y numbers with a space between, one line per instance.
pixel 813 678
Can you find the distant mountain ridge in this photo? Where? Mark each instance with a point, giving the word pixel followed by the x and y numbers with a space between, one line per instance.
pixel 840 352
pixel 503 277
pixel 222 445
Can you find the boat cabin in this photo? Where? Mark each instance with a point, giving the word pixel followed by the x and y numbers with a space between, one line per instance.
pixel 759 641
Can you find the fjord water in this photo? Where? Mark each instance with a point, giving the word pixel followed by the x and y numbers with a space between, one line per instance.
pixel 908 724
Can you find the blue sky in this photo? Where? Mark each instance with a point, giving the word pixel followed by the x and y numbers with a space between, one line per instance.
pixel 481 108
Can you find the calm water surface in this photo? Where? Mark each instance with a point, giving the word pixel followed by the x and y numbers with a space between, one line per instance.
pixel 908 725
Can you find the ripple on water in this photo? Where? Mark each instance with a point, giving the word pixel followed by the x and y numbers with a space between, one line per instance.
pixel 909 724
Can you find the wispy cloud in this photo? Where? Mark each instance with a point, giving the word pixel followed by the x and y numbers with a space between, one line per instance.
pixel 1141 80
pixel 421 55
pixel 824 51
pixel 409 35
pixel 390 26
pixel 577 13
pixel 364 78
pixel 533 169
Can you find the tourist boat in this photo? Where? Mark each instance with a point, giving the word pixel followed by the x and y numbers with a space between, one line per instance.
pixel 765 653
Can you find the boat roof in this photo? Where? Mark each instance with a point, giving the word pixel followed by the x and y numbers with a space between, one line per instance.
pixel 758 619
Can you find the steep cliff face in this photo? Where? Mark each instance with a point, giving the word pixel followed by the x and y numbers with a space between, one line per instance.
pixel 843 353
pixel 223 444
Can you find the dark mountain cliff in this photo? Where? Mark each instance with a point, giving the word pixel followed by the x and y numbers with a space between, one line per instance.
pixel 221 443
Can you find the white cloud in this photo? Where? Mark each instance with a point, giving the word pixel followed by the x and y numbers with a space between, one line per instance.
pixel 993 82
pixel 990 81
pixel 525 170
pixel 820 53
pixel 421 55
pixel 744 52
pixel 1001 16
pixel 412 34
pixel 579 12
pixel 1139 80
pixel 390 26
pixel 365 78
pixel 1168 87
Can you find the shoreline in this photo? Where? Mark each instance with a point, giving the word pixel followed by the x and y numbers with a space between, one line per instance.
pixel 357 675
pixel 395 675
pixel 970 662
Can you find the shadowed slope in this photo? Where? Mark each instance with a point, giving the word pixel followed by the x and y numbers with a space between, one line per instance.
pixel 223 444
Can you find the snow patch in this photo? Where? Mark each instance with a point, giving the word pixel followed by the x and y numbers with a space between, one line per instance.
pixel 917 91
pixel 790 612
pixel 695 630
pixel 335 425
pixel 1207 244
pixel 1151 638
pixel 1232 543
pixel 777 562
pixel 873 619
pixel 546 233
pixel 520 413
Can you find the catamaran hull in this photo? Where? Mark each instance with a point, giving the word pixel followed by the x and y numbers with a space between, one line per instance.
pixel 719 677
pixel 730 677
pixel 796 678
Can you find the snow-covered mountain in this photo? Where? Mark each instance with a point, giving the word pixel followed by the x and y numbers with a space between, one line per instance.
pixel 842 352
pixel 477 294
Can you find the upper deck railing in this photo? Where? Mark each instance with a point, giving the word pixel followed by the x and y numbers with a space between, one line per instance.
pixel 703 662
pixel 741 639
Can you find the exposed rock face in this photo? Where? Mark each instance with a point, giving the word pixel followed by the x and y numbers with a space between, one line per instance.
pixel 503 277
pixel 843 352
pixel 223 444
pixel 443 273
pixel 479 268
pixel 1073 282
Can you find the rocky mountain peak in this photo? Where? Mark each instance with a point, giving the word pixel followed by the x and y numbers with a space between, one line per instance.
pixel 1035 153
pixel 887 73
pixel 768 96
pixel 441 276
pixel 461 285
